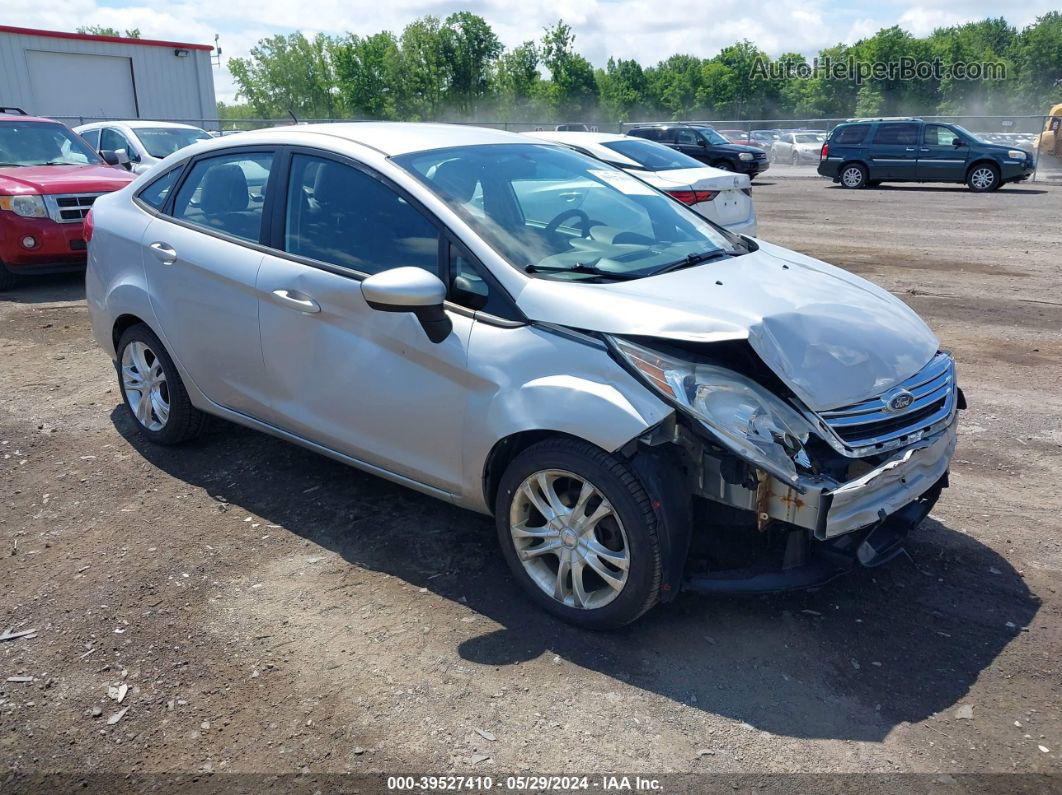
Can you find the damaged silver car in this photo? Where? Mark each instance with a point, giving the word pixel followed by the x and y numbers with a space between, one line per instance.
pixel 643 400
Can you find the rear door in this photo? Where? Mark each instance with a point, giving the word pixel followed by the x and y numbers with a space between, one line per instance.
pixel 201 258
pixel 939 160
pixel 893 150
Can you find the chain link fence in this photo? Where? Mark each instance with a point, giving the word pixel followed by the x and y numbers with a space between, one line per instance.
pixel 1021 132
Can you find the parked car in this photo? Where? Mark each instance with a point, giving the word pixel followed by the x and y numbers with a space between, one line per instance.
pixel 49 179
pixel 796 148
pixel 642 400
pixel 764 139
pixel 144 143
pixel 707 146
pixel 867 152
pixel 719 196
pixel 571 128
pixel 739 137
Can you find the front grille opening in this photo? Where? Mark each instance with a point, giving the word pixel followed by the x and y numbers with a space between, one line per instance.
pixel 909 422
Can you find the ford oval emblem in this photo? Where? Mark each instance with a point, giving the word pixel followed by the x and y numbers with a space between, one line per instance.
pixel 899 401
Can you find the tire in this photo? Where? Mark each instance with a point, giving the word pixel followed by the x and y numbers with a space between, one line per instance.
pixel 7 278
pixel 853 176
pixel 557 471
pixel 139 349
pixel 795 159
pixel 723 165
pixel 983 177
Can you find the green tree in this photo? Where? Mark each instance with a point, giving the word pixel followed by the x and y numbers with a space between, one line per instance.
pixel 515 79
pixel 1037 52
pixel 571 92
pixel 102 30
pixel 623 89
pixel 675 85
pixel 425 69
pixel 469 46
pixel 288 73
pixel 369 75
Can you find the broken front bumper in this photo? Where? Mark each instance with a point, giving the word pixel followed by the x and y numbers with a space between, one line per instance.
pixel 830 509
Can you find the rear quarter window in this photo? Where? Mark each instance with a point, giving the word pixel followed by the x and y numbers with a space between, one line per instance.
pixel 854 134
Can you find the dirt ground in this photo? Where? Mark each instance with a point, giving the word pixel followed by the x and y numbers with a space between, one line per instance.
pixel 271 610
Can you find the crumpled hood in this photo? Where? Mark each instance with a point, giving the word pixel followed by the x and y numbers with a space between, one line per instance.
pixel 63 179
pixel 832 337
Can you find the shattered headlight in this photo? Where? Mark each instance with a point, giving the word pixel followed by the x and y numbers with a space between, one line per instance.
pixel 742 415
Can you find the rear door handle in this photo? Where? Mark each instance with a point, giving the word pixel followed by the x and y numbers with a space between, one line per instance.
pixel 164 253
pixel 297 300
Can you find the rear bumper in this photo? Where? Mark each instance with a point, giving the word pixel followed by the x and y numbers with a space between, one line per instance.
pixel 58 247
pixel 829 166
pixel 746 227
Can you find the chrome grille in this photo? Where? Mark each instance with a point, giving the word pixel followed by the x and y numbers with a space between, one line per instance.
pixel 70 208
pixel 875 425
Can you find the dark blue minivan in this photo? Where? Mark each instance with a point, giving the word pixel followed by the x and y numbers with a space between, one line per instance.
pixel 867 152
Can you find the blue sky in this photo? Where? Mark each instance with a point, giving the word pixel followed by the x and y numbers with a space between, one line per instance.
pixel 648 30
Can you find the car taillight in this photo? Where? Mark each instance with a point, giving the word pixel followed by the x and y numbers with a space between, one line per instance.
pixel 825 150
pixel 86 227
pixel 693 196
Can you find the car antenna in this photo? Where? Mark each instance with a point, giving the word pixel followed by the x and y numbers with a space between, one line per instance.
pixel 294 118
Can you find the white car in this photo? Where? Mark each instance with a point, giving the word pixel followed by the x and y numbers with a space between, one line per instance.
pixel 144 143
pixel 798 147
pixel 720 196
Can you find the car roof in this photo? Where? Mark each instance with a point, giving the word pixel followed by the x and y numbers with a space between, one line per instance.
pixel 136 124
pixel 575 138
pixel 19 118
pixel 394 138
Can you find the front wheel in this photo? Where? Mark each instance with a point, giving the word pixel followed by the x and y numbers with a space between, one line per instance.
pixel 853 176
pixel 579 534
pixel 7 278
pixel 983 178
pixel 723 165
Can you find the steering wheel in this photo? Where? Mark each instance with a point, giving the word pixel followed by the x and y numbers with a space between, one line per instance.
pixel 551 227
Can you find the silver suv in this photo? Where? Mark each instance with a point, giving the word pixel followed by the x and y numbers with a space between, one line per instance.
pixel 643 400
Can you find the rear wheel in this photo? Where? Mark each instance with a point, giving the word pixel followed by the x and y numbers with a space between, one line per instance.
pixel 982 178
pixel 579 534
pixel 853 176
pixel 153 390
pixel 795 159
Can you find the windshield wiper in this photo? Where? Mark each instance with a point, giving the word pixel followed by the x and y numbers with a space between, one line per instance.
pixel 581 267
pixel 690 260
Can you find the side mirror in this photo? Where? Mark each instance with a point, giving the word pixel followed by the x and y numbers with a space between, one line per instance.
pixel 410 290
pixel 123 157
pixel 110 157
pixel 956 142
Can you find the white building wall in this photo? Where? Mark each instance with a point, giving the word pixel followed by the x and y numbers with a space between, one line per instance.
pixel 166 86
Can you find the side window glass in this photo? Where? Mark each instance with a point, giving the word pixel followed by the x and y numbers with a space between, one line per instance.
pixel 114 140
pixel 852 135
pixel 154 195
pixel 342 216
pixel 469 289
pixel 936 135
pixel 93 138
pixel 688 137
pixel 226 194
pixel 898 134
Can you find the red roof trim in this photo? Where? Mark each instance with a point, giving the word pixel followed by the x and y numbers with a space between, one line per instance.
pixel 56 34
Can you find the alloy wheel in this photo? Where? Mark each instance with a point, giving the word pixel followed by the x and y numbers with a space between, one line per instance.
pixel 569 539
pixel 144 383
pixel 982 178
pixel 852 177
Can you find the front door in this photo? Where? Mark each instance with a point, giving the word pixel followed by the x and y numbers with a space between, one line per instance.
pixel 202 275
pixel 365 383
pixel 893 151
pixel 689 142
pixel 939 159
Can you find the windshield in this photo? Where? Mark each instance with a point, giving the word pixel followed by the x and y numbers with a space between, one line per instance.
pixel 651 155
pixel 809 138
pixel 712 136
pixel 564 215
pixel 164 141
pixel 43 144
pixel 972 136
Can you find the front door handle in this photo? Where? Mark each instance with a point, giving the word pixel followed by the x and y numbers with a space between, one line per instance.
pixel 298 301
pixel 910 149
pixel 164 252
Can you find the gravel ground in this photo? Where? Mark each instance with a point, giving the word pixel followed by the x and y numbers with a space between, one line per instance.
pixel 240 604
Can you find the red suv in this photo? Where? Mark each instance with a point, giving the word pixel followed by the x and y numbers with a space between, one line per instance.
pixel 49 177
